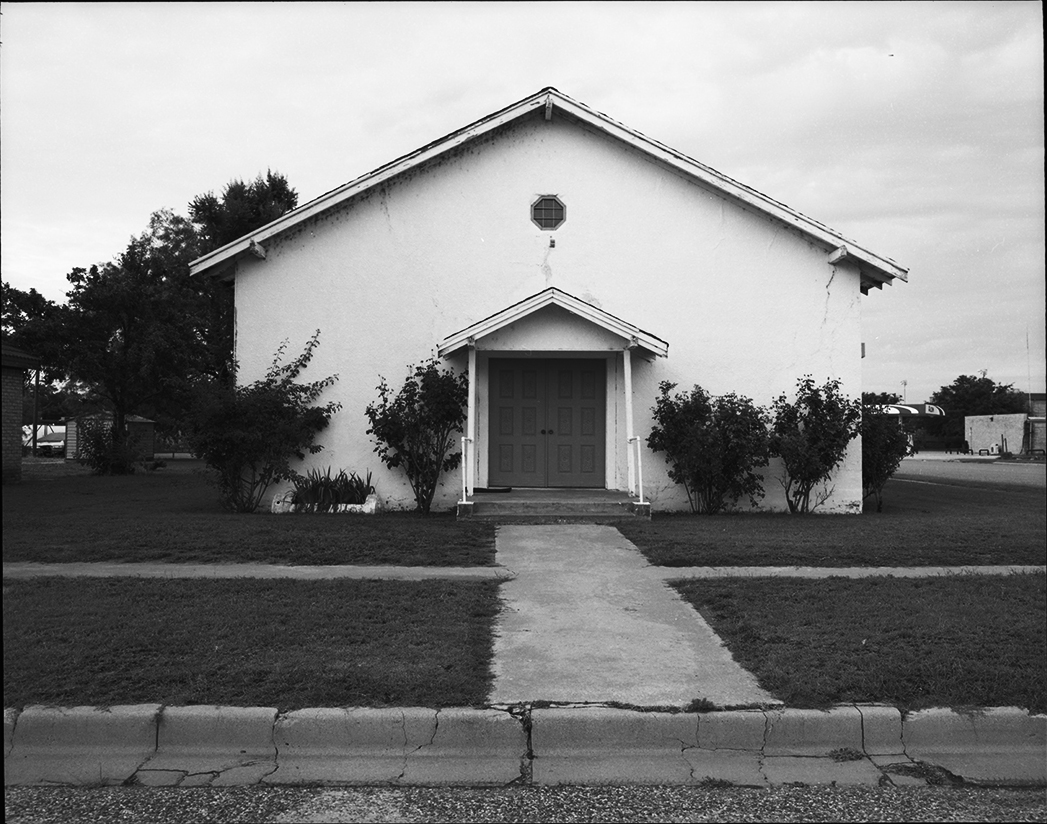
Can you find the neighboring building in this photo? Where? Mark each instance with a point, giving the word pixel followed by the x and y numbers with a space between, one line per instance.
pixel 570 265
pixel 1016 433
pixel 15 362
pixel 1036 427
pixel 140 432
pixel 995 434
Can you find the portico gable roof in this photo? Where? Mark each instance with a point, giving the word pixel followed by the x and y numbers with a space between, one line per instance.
pixel 554 297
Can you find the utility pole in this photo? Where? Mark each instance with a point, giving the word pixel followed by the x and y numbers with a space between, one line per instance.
pixel 904 384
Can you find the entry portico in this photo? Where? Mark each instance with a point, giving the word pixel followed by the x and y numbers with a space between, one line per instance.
pixel 550 395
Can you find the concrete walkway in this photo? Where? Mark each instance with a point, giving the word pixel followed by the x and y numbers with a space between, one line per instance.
pixel 584 620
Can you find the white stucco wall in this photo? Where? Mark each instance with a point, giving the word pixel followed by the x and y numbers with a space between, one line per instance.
pixel 746 304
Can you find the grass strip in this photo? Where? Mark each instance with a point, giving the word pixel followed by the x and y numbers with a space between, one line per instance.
pixel 173 516
pixel 286 644
pixel 965 640
pixel 922 525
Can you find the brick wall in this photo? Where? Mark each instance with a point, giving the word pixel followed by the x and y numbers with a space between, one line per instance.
pixel 12 425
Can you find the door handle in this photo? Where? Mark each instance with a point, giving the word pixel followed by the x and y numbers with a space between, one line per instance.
pixel 546 431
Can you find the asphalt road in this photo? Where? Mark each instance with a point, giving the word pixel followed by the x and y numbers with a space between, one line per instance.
pixel 37 805
pixel 991 474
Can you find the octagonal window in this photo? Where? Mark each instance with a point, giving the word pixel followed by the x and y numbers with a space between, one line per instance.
pixel 548 212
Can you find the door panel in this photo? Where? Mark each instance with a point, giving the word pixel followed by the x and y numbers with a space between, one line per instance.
pixel 547 422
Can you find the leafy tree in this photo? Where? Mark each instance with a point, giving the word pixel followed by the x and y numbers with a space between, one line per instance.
pixel 879 398
pixel 127 330
pixel 29 324
pixel 884 443
pixel 20 311
pixel 242 208
pixel 248 434
pixel 713 445
pixel 970 395
pixel 137 334
pixel 414 429
pixel 811 435
pixel 98 448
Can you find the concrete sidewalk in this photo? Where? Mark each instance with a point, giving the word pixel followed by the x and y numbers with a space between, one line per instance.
pixel 584 620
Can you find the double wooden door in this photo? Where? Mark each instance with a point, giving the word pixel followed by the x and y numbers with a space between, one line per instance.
pixel 547 422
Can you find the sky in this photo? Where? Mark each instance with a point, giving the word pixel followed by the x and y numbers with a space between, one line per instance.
pixel 914 129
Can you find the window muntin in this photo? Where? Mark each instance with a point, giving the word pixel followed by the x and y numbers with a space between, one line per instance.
pixel 548 212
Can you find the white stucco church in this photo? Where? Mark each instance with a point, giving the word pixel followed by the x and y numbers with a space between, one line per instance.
pixel 569 264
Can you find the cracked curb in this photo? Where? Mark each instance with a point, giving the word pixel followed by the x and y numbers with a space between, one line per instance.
pixel 152 745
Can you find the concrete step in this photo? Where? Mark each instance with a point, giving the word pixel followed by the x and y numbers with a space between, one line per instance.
pixel 593 511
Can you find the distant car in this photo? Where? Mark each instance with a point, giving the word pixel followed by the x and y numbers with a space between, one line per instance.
pixel 50 440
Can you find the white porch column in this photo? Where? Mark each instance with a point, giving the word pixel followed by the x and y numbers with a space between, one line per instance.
pixel 470 426
pixel 629 451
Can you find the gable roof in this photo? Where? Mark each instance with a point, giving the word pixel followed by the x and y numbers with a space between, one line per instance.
pixel 553 297
pixel 875 269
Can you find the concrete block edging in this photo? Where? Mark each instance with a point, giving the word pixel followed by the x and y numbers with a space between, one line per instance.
pixel 582 744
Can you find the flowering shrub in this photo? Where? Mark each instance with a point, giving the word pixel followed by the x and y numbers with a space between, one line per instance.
pixel 249 434
pixel 811 435
pixel 713 445
pixel 414 429
pixel 884 443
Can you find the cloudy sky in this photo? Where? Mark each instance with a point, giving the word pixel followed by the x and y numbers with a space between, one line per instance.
pixel 915 129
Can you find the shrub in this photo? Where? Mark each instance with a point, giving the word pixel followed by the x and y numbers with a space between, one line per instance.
pixel 713 445
pixel 319 492
pixel 884 443
pixel 415 429
pixel 811 435
pixel 98 448
pixel 248 434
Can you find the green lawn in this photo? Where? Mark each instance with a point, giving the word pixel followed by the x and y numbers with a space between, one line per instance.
pixel 173 515
pixel 967 640
pixel 921 525
pixel 286 644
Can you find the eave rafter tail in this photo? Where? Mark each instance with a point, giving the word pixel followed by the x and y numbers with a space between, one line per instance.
pixel 873 273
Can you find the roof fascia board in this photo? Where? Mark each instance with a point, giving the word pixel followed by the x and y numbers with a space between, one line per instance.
pixel 378 176
pixel 597 120
pixel 553 297
pixel 719 181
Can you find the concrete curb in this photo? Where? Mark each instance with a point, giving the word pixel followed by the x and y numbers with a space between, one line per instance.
pixel 204 745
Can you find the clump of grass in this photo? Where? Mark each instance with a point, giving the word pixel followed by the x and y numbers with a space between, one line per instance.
pixel 321 492
pixel 285 644
pixel 970 640
pixel 701 705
